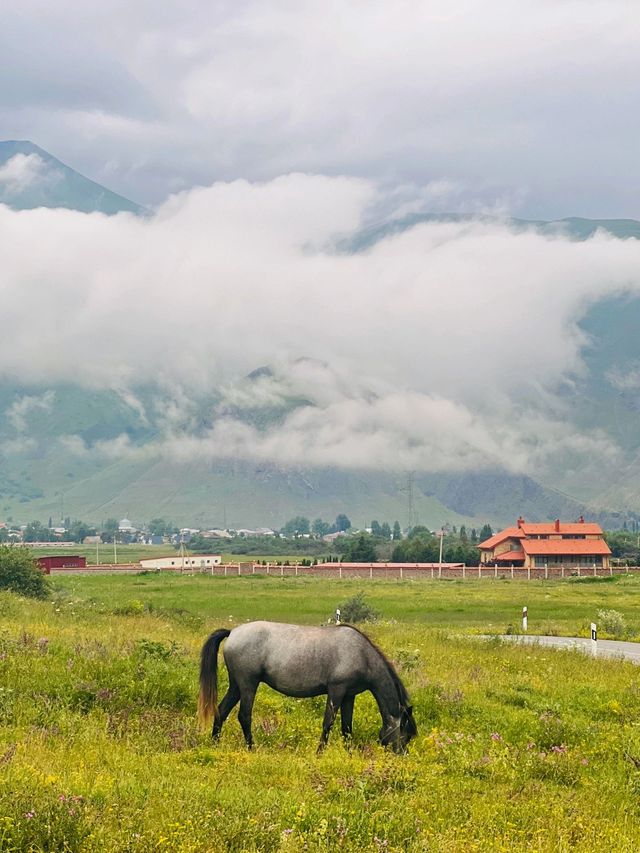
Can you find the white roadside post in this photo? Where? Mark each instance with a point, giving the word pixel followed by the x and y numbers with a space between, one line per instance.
pixel 525 619
pixel 594 639
pixel 337 615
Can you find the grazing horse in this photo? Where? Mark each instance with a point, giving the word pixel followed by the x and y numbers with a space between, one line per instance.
pixel 300 661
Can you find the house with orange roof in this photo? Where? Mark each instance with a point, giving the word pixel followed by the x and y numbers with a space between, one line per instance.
pixel 548 544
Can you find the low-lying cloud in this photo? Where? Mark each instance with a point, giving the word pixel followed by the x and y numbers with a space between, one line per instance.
pixel 440 347
pixel 22 171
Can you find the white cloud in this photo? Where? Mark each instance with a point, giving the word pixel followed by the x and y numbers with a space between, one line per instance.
pixel 21 172
pixel 440 347
pixel 16 446
pixel 403 431
pixel 18 412
pixel 624 381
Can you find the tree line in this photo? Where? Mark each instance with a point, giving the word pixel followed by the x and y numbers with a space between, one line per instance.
pixel 75 530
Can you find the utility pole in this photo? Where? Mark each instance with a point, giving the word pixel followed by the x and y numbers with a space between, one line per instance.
pixel 408 488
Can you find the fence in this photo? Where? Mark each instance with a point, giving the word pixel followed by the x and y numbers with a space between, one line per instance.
pixel 415 571
pixel 371 571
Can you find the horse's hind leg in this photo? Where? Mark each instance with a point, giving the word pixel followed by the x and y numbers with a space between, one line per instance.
pixel 247 696
pixel 230 700
pixel 346 716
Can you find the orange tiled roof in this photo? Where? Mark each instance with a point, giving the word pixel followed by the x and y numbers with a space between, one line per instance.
pixel 549 528
pixel 565 546
pixel 497 538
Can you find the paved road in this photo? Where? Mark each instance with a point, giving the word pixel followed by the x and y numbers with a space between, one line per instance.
pixel 606 648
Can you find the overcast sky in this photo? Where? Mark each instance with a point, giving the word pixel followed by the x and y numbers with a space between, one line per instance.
pixel 530 106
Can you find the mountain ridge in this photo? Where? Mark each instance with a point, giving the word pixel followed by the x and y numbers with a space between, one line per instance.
pixel 41 180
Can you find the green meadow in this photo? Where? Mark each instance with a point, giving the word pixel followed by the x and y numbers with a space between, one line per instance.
pixel 106 555
pixel 519 748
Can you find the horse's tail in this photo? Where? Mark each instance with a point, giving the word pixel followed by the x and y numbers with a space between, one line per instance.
pixel 208 700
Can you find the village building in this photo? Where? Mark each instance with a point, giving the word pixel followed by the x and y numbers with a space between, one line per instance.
pixel 61 562
pixel 182 562
pixel 547 544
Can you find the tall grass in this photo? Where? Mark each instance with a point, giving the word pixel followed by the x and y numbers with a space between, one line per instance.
pixel 520 748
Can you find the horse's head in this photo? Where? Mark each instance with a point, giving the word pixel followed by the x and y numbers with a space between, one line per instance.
pixel 399 730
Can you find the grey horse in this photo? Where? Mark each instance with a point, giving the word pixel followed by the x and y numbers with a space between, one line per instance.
pixel 339 661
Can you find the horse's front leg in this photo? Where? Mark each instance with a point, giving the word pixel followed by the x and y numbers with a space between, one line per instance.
pixel 334 700
pixel 346 716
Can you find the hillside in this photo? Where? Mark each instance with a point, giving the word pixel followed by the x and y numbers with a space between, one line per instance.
pixel 31 177
pixel 44 474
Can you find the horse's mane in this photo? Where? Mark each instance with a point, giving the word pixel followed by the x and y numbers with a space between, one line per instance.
pixel 403 696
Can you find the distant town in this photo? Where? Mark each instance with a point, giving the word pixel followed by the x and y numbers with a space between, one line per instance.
pixel 525 544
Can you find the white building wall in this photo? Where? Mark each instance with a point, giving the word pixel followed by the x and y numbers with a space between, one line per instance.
pixel 192 561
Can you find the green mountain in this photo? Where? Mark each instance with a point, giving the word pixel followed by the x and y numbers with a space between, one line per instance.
pixel 45 474
pixel 575 228
pixel 31 177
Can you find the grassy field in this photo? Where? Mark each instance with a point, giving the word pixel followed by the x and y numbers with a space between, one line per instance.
pixel 134 553
pixel 519 748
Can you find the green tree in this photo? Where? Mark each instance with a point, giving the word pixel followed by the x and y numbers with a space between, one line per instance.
pixel 422 548
pixel 397 533
pixel 109 530
pixel 360 549
pixel 385 530
pixel 376 530
pixel 20 573
pixel 159 527
pixel 486 532
pixel 320 527
pixel 35 531
pixel 463 535
pixel 297 526
pixel 78 530
pixel 342 523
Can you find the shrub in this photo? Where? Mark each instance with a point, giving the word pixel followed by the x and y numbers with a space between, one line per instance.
pixel 156 649
pixel 20 573
pixel 612 622
pixel 134 607
pixel 356 609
